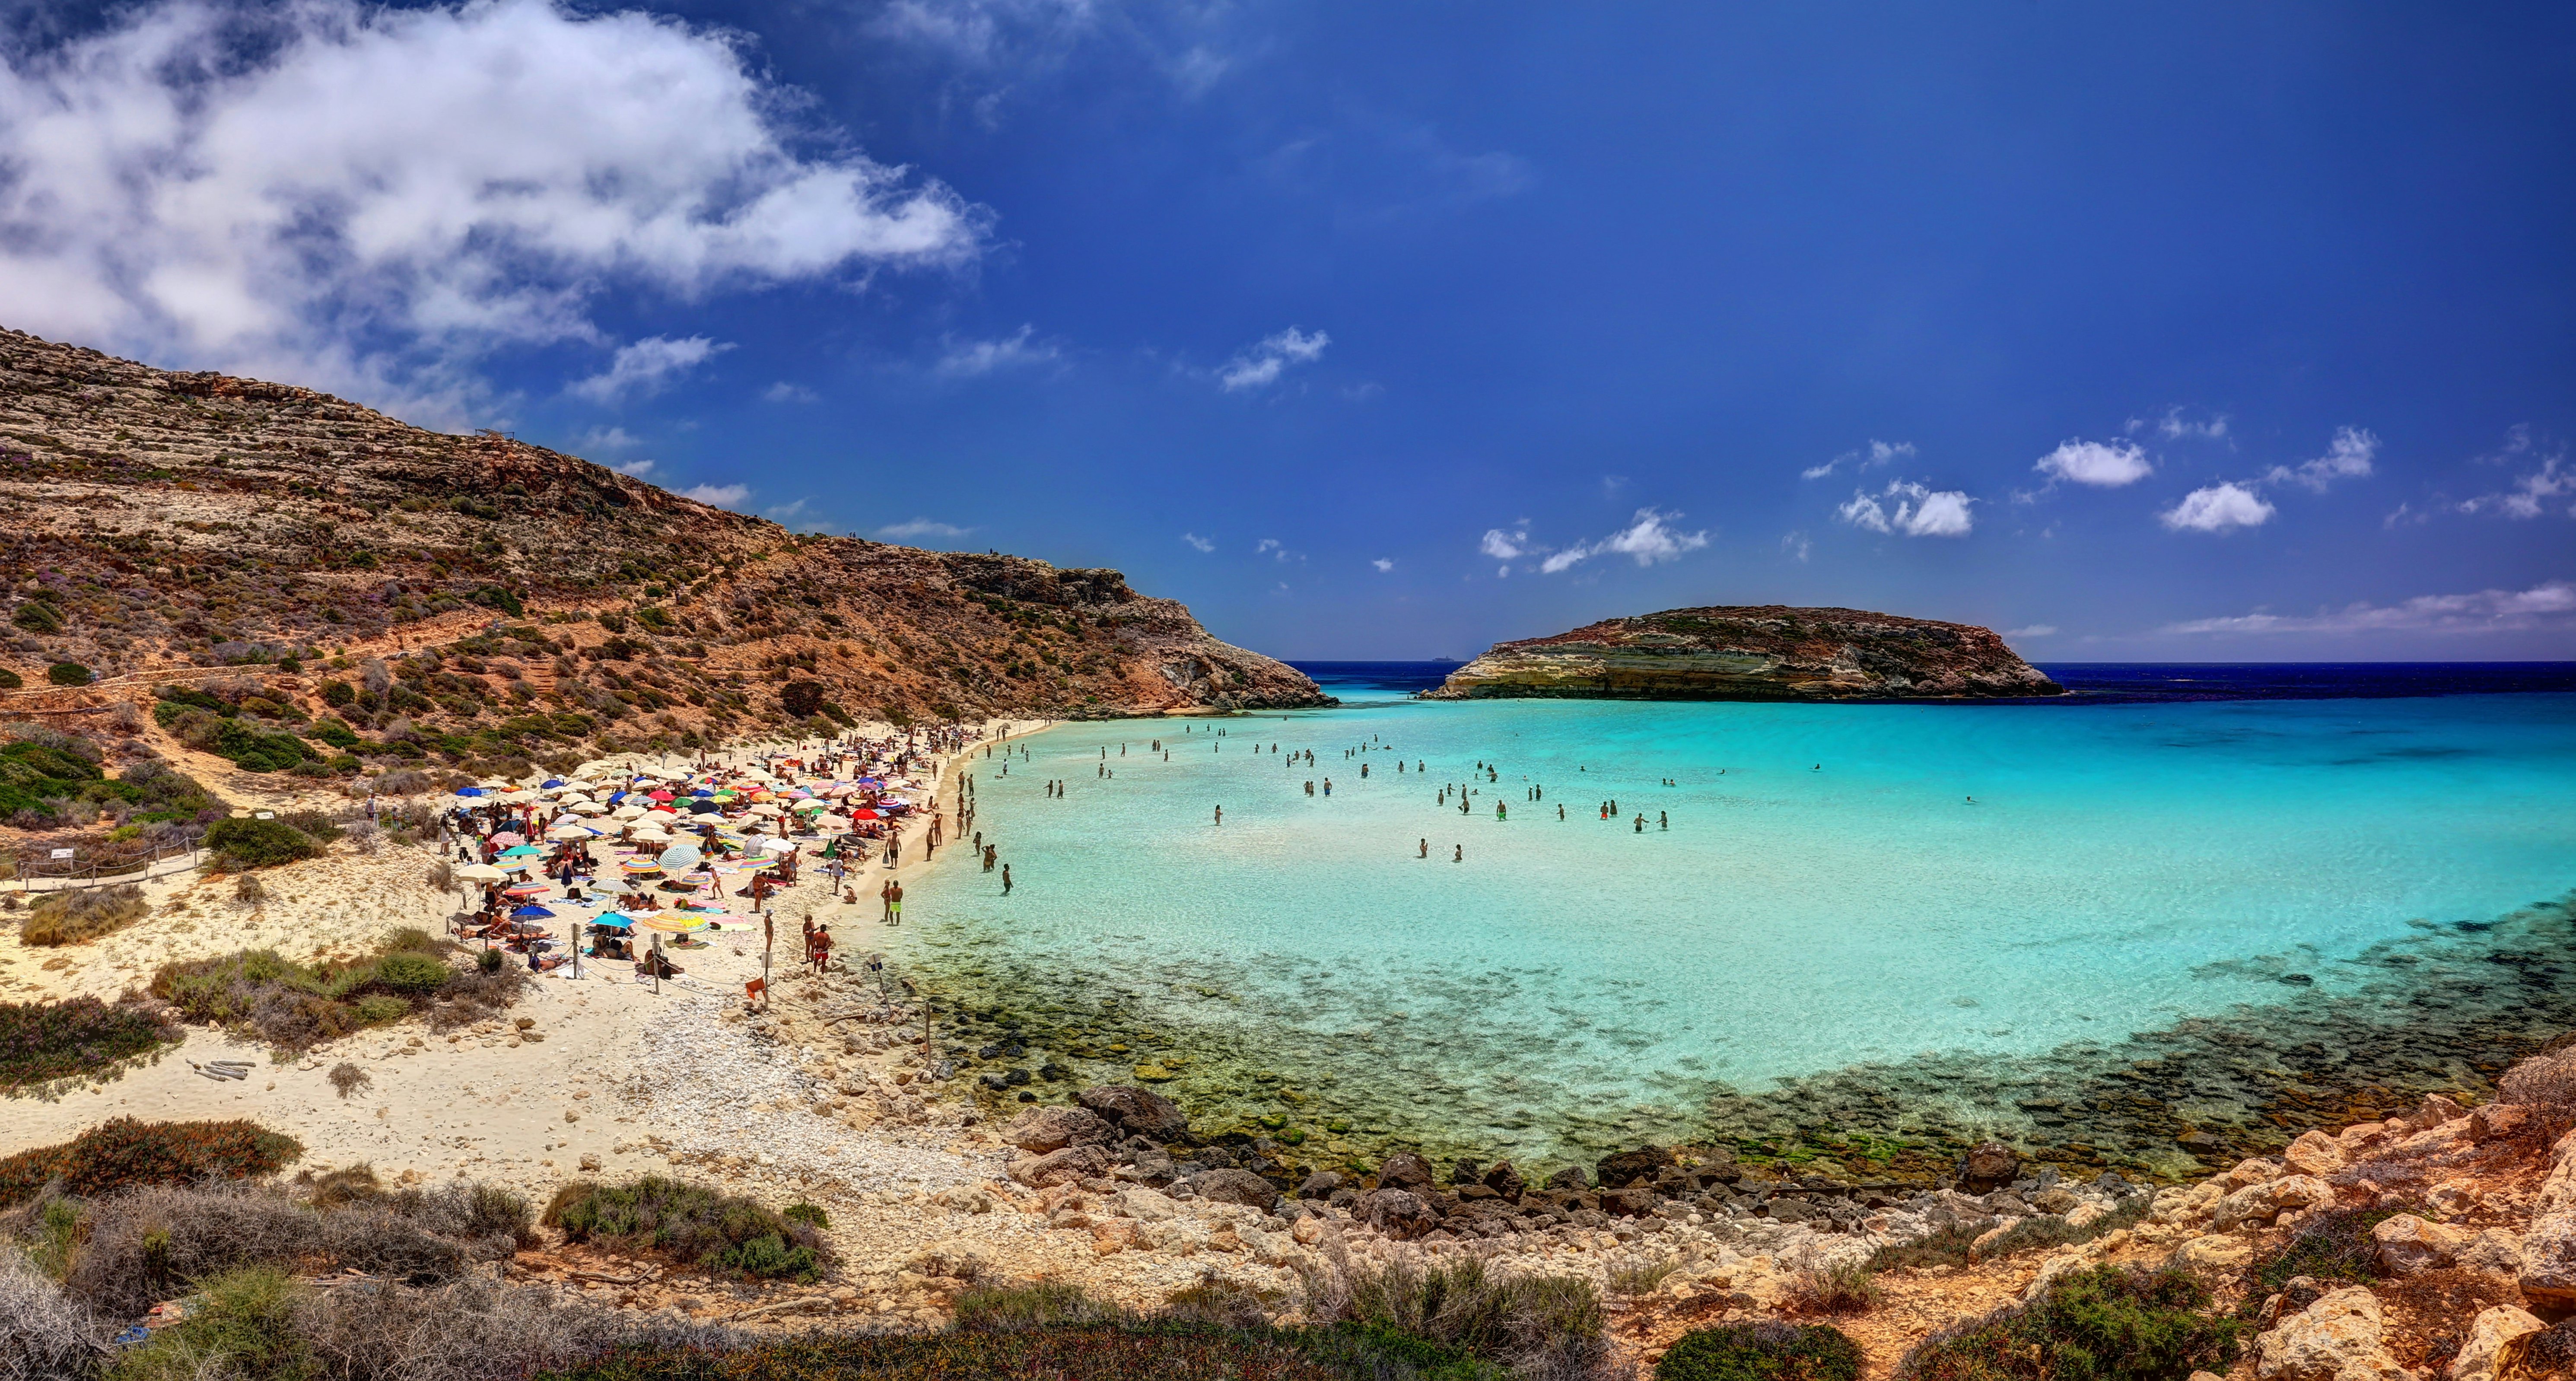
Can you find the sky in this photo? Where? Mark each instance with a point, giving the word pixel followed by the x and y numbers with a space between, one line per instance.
pixel 2181 332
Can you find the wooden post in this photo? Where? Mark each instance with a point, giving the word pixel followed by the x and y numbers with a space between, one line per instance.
pixel 768 942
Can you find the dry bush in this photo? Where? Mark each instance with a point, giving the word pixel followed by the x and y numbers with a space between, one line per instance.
pixel 1642 1277
pixel 248 890
pixel 1836 1290
pixel 471 1331
pixel 2546 1084
pixel 1043 1304
pixel 74 915
pixel 44 1334
pixel 1219 1301
pixel 349 1079
pixel 1547 1328
pixel 440 877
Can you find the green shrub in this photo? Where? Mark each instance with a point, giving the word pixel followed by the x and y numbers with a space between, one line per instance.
pixel 257 750
pixel 38 616
pixel 809 1214
pixel 122 1152
pixel 69 674
pixel 1045 1304
pixel 2110 1323
pixel 10 680
pixel 688 1223
pixel 335 733
pixel 410 972
pixel 1770 1351
pixel 296 1007
pixel 378 1009
pixel 80 1037
pixel 1104 1352
pixel 246 843
pixel 2334 1245
pixel 77 914
pixel 1513 1320
pixel 337 694
pixel 314 825
pixel 244 1327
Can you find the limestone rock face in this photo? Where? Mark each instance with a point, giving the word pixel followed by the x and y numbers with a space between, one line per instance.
pixel 1060 1167
pixel 2407 1244
pixel 2261 1203
pixel 2338 1338
pixel 2549 1258
pixel 2314 1153
pixel 1769 652
pixel 1137 1112
pixel 1235 1187
pixel 1398 1213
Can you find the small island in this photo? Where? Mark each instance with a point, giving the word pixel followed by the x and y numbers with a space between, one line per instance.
pixel 1766 652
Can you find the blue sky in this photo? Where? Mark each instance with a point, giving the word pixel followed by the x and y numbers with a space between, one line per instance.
pixel 2186 331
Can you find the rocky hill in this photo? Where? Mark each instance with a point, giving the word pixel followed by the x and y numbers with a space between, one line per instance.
pixel 1768 652
pixel 297 557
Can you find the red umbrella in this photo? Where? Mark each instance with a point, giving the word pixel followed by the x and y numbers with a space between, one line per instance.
pixel 658 795
pixel 865 814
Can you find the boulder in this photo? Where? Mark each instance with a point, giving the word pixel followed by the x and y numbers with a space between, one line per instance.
pixel 1988 1166
pixel 1466 1171
pixel 1060 1167
pixel 2488 1333
pixel 1636 1201
pixel 2549 1259
pixel 1625 1168
pixel 1506 1181
pixel 2314 1153
pixel 956 1259
pixel 2435 1110
pixel 2338 1338
pixel 1137 1112
pixel 2494 1251
pixel 1040 1130
pixel 2254 1171
pixel 2407 1244
pixel 1235 1187
pixel 2217 1254
pixel 1404 1170
pixel 2261 1203
pixel 1319 1185
pixel 1569 1177
pixel 1147 1205
pixel 2498 1122
pixel 1400 1214
pixel 2558 1189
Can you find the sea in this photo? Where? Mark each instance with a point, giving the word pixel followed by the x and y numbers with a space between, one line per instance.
pixel 2169 918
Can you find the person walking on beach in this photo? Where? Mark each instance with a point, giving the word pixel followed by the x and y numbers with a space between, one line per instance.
pixel 1460 856
pixel 894 905
pixel 1426 850
pixel 885 901
pixel 1006 879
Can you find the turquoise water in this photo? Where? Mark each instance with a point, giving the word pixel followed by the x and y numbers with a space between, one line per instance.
pixel 1826 896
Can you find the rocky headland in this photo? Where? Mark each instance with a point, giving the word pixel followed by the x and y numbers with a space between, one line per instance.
pixel 1767 652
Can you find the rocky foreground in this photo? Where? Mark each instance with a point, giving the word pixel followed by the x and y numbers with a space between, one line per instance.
pixel 1769 652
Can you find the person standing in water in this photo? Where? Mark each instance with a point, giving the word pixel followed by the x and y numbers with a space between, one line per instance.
pixel 1460 856
pixel 894 905
pixel 1426 850
pixel 1663 820
pixel 1006 879
pixel 1220 810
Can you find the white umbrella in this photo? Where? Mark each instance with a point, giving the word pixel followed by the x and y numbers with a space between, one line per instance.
pixel 567 831
pixel 588 808
pixel 778 846
pixel 660 816
pixel 627 812
pixel 480 872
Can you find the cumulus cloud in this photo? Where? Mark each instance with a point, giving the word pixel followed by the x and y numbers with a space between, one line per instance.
pixel 637 468
pixel 1916 510
pixel 1648 538
pixel 1875 454
pixel 1384 564
pixel 2218 508
pixel 1198 543
pixel 369 199
pixel 1261 366
pixel 1505 546
pixel 2552 603
pixel 970 358
pixel 2102 464
pixel 646 367
pixel 918 528
pixel 2177 427
pixel 2348 456
pixel 785 392
pixel 1796 544
pixel 720 495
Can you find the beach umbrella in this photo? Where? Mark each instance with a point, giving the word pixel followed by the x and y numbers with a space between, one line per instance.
pixel 672 922
pixel 532 912
pixel 864 813
pixel 480 872
pixel 506 838
pixel 519 798
pixel 627 812
pixel 681 856
pixel 659 817
pixel 702 792
pixel 469 792
pixel 657 795
pixel 588 808
pixel 703 807
pixel 523 851
pixel 553 782
pixel 522 891
pixel 778 846
pixel 612 920
pixel 568 830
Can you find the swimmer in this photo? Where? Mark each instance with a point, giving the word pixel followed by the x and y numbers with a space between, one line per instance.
pixel 1425 850
pixel 1460 856
pixel 1220 815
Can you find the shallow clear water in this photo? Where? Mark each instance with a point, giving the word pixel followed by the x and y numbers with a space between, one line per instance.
pixel 1827 894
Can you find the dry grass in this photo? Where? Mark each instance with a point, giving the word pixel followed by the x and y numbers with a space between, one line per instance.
pixel 77 915
pixel 2546 1084
pixel 1642 1277
pixel 44 1335
pixel 1548 1328
pixel 348 1079
pixel 1837 1291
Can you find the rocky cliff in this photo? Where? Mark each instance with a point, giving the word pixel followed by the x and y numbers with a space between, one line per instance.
pixel 1759 653
pixel 156 526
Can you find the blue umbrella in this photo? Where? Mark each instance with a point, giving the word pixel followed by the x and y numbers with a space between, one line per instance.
pixel 532 912
pixel 612 920
pixel 552 782
pixel 469 791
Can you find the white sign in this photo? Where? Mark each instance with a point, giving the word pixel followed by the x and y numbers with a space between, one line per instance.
pixel 62 853
pixel 265 815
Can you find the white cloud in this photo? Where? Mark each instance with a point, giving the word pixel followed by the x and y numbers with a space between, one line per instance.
pixel 2532 493
pixel 608 440
pixel 2217 508
pixel 646 367
pixel 1505 546
pixel 1384 564
pixel 1266 544
pixel 637 468
pixel 785 392
pixel 2036 630
pixel 1261 366
pixel 1916 510
pixel 1796 544
pixel 785 511
pixel 920 527
pixel 2176 427
pixel 970 358
pixel 720 495
pixel 2348 456
pixel 2103 464
pixel 1648 538
pixel 1197 542
pixel 1876 453
pixel 2486 611
pixel 368 199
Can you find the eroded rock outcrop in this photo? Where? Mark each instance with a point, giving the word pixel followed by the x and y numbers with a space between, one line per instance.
pixel 1769 652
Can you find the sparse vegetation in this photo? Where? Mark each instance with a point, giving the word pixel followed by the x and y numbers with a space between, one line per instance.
pixel 349 1080
pixel 243 844
pixel 690 1224
pixel 1642 1277
pixel 78 1038
pixel 122 1153
pixel 296 1006
pixel 1838 1290
pixel 75 915
pixel 1770 1351
pixel 2110 1323
pixel 2333 1245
